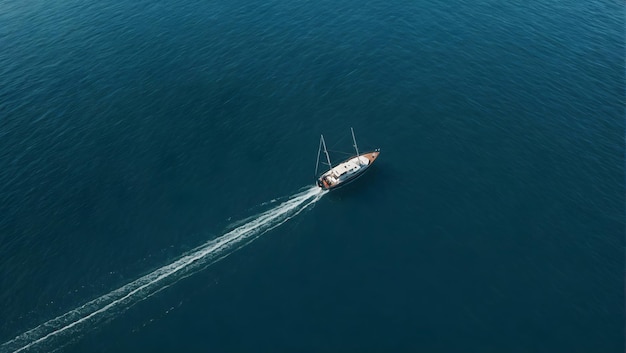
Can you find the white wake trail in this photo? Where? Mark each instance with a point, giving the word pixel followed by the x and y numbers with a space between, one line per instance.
pixel 117 301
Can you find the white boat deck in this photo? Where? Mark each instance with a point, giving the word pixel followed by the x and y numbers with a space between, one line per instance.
pixel 348 167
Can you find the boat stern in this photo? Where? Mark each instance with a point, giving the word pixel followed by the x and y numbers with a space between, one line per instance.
pixel 325 183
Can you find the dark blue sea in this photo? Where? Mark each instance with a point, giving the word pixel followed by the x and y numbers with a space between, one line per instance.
pixel 157 176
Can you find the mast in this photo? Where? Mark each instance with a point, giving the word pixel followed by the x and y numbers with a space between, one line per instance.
pixel 319 149
pixel 317 162
pixel 326 152
pixel 355 146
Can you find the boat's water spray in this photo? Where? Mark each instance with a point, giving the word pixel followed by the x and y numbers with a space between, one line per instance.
pixel 67 326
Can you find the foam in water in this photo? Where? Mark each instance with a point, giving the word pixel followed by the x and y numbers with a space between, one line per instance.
pixel 115 302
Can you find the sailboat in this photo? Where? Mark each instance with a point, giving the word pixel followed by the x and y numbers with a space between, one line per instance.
pixel 346 171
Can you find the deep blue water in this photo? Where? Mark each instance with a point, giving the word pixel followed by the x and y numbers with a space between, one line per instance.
pixel 133 133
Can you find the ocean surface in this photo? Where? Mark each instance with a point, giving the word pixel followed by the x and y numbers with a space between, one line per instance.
pixel 157 161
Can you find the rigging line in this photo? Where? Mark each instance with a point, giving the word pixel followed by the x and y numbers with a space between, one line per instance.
pixel 340 140
pixel 319 149
pixel 346 153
